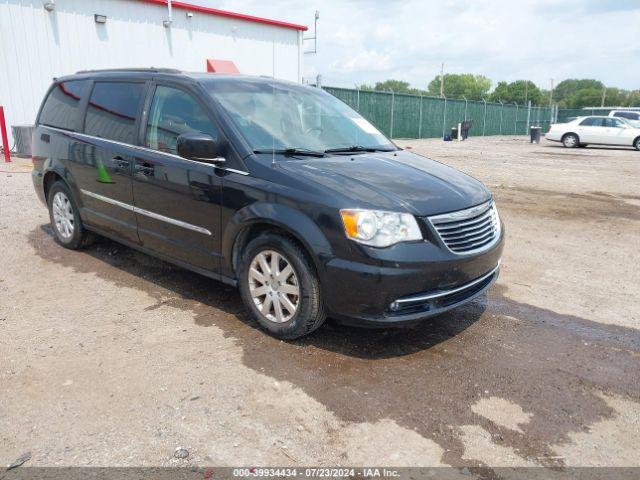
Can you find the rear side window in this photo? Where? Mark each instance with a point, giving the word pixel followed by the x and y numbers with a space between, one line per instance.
pixel 591 122
pixel 629 115
pixel 112 111
pixel 60 109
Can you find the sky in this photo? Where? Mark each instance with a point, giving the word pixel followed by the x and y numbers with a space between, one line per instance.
pixel 365 41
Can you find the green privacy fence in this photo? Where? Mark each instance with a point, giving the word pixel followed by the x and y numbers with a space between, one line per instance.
pixel 565 113
pixel 415 116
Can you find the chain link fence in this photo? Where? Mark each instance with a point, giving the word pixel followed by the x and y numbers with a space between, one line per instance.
pixel 400 115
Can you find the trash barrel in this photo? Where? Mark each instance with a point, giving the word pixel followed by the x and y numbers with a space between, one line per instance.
pixel 454 133
pixel 535 134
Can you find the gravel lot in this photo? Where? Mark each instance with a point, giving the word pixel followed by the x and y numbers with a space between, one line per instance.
pixel 110 357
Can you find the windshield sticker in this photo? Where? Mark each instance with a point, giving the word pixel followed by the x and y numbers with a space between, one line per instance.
pixel 366 126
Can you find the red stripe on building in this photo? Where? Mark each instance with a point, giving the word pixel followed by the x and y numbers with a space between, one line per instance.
pixel 224 13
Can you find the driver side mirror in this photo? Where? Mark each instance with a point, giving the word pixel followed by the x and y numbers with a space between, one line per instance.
pixel 200 147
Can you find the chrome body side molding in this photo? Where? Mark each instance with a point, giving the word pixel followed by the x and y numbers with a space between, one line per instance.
pixel 147 213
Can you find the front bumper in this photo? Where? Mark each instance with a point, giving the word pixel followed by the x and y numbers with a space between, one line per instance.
pixel 394 293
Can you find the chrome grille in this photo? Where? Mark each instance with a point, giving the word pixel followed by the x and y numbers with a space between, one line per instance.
pixel 468 231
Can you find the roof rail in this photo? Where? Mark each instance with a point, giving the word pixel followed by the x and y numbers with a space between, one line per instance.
pixel 143 69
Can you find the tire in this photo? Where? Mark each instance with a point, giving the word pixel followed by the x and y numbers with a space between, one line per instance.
pixel 570 140
pixel 65 217
pixel 636 143
pixel 255 275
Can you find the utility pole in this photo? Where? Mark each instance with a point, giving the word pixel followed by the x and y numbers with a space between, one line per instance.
pixel 526 91
pixel 604 95
pixel 442 80
pixel 551 93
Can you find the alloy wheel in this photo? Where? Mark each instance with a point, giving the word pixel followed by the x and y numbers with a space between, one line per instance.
pixel 273 286
pixel 63 215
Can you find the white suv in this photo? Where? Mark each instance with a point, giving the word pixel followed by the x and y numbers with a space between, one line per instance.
pixel 632 117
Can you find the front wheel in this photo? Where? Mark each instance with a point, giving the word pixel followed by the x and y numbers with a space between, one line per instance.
pixel 637 143
pixel 570 140
pixel 279 286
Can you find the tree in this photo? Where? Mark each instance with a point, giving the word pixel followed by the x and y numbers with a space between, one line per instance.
pixel 571 86
pixel 474 87
pixel 634 99
pixel 585 97
pixel 397 86
pixel 500 93
pixel 617 97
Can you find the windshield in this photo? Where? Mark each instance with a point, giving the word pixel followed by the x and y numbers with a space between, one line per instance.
pixel 281 116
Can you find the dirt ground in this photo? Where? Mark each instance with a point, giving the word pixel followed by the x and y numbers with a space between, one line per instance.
pixel 109 357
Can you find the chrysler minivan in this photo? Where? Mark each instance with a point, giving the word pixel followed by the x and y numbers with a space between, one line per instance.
pixel 277 188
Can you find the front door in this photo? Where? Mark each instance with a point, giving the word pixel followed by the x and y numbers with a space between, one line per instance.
pixel 177 200
pixel 616 132
pixel 102 158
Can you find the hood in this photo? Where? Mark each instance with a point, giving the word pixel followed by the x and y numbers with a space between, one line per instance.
pixel 392 180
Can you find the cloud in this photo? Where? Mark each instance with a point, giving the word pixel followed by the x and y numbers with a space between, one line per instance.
pixel 368 60
pixel 362 41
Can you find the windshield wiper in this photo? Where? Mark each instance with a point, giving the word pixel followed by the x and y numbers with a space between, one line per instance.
pixel 292 151
pixel 356 148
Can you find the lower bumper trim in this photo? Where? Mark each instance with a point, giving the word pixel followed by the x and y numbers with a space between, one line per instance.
pixel 432 303
pixel 444 293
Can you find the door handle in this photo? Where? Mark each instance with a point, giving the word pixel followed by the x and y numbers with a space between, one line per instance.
pixel 120 162
pixel 144 168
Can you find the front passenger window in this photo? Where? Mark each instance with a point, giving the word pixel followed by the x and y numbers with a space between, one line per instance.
pixel 174 112
pixel 613 123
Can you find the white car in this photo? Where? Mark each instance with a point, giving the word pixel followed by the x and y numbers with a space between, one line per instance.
pixel 595 130
pixel 630 116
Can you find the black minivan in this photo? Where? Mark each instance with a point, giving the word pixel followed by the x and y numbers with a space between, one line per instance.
pixel 278 188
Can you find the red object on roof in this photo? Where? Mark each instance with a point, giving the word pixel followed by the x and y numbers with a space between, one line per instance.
pixel 221 66
pixel 224 13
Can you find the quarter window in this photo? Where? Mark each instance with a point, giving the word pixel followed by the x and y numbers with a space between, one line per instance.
pixel 60 110
pixel 112 111
pixel 174 112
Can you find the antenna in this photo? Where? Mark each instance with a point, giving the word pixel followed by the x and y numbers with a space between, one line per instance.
pixel 273 95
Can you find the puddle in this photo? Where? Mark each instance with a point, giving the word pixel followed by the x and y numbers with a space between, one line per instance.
pixel 426 378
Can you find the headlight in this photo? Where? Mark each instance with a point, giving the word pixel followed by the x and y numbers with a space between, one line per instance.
pixel 380 229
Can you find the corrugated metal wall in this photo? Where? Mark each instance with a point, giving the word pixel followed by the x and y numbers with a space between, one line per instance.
pixel 36 45
pixel 414 116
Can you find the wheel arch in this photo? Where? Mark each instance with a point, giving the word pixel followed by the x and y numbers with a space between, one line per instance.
pixel 259 217
pixel 570 133
pixel 49 179
pixel 58 172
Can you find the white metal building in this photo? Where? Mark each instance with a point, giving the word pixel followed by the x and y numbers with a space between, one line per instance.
pixel 42 39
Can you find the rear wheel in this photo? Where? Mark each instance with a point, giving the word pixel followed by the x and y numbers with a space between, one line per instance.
pixel 279 286
pixel 65 217
pixel 570 140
